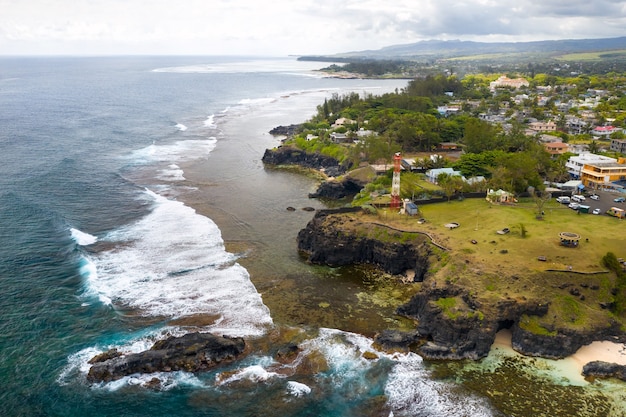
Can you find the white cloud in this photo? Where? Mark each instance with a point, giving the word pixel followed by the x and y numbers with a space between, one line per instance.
pixel 281 27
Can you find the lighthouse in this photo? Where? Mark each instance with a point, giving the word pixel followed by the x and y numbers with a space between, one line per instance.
pixel 395 183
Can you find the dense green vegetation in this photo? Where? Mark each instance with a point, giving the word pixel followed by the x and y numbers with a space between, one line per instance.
pixel 410 121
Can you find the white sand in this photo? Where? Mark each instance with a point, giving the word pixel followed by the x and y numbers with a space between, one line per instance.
pixel 572 366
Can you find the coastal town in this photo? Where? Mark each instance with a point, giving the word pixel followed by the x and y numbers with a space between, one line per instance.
pixel 504 210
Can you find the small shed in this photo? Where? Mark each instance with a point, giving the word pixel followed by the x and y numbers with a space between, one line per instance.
pixel 410 208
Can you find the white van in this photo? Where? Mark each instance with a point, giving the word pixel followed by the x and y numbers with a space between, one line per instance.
pixel 563 199
pixel 578 198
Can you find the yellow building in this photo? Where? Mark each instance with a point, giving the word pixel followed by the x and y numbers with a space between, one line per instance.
pixel 603 175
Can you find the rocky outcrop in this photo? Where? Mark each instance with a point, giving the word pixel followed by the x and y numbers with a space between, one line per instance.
pixel 602 369
pixel 561 342
pixel 336 240
pixel 338 189
pixel 286 130
pixel 192 352
pixel 455 325
pixel 289 155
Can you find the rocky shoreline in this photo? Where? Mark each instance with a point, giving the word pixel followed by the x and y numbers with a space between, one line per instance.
pixel 466 331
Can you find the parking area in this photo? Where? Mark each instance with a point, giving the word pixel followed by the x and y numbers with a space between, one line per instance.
pixel 604 201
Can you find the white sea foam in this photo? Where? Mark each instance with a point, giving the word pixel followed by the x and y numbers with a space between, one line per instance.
pixel 256 102
pixel 82 238
pixel 409 387
pixel 254 373
pixel 290 66
pixel 210 121
pixel 412 392
pixel 181 127
pixel 171 153
pixel 297 389
pixel 173 263
pixel 172 173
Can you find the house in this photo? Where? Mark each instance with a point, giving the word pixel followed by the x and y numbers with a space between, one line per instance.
pixel 549 126
pixel 343 121
pixel 433 174
pixel 339 137
pixel 575 125
pixel 618 145
pixel 544 138
pixel 363 133
pixel 504 81
pixel 448 110
pixel 448 147
pixel 556 148
pixel 604 131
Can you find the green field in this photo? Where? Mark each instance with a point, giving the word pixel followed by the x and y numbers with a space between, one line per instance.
pixel 594 56
pixel 492 267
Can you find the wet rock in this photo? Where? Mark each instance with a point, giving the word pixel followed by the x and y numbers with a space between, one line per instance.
pixel 395 339
pixel 192 352
pixel 602 369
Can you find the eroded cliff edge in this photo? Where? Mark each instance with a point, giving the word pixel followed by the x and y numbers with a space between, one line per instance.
pixel 460 306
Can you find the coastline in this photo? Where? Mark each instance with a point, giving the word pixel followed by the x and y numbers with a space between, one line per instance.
pixel 570 367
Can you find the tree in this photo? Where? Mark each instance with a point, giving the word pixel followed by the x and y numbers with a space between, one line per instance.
pixel 450 184
pixel 540 197
pixel 479 136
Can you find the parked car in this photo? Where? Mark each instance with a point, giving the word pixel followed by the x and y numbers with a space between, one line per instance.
pixel 619 199
pixel 596 211
pixel 594 197
pixel 563 200
pixel 578 198
pixel 574 206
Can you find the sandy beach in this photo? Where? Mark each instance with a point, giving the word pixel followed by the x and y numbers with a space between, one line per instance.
pixel 572 366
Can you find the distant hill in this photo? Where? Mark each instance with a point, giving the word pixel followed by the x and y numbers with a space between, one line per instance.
pixel 455 48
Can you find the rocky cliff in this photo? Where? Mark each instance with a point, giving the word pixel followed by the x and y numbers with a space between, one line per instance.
pixel 459 309
pixel 335 239
pixel 289 155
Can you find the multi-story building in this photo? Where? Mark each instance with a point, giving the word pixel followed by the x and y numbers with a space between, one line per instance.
pixel 548 126
pixel 575 164
pixel 618 145
pixel 505 81
pixel 604 175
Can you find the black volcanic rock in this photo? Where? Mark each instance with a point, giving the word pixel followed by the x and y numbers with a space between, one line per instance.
pixel 338 189
pixel 286 130
pixel 602 369
pixel 288 155
pixel 192 352
pixel 326 241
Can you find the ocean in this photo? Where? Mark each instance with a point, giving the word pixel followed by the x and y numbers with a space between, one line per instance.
pixel 134 205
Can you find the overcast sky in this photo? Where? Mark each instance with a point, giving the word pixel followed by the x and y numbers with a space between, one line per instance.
pixel 282 27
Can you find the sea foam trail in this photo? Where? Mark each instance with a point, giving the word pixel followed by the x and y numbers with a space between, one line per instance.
pixel 82 238
pixel 173 263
